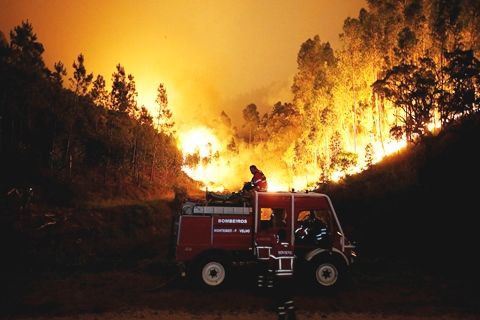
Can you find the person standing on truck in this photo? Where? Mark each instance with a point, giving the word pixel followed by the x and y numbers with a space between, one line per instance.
pixel 258 182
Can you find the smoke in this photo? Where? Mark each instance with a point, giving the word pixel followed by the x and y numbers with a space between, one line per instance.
pixel 264 98
pixel 209 121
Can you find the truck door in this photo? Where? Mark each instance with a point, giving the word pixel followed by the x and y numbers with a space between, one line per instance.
pixel 314 212
pixel 274 222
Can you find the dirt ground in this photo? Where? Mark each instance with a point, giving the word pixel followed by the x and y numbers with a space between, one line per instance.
pixel 375 290
pixel 150 288
pixel 148 314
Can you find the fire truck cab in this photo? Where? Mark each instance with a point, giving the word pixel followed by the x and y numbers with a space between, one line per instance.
pixel 288 230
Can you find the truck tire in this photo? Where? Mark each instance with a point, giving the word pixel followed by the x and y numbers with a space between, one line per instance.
pixel 327 272
pixel 213 271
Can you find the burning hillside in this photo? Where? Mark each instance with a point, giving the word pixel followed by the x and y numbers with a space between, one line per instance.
pixel 220 166
pixel 402 73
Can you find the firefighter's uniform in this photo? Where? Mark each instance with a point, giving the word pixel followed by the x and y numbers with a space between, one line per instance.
pixel 281 269
pixel 259 181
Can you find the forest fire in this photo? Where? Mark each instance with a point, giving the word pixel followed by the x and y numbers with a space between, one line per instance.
pixel 199 146
pixel 387 83
pixel 199 141
pixel 208 160
pixel 118 117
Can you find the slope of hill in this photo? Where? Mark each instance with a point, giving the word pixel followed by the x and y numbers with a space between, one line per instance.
pixel 419 205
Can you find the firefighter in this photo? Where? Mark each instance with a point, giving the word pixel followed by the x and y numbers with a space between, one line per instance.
pixel 283 285
pixel 258 182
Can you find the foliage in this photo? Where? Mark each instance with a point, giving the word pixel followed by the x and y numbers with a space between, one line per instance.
pixel 403 67
pixel 86 139
pixel 124 93
pixel 413 89
pixel 462 94
pixel 164 116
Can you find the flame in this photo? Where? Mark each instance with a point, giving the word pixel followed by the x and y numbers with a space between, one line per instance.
pixel 274 184
pixel 436 124
pixel 380 150
pixel 221 170
pixel 199 140
pixel 337 175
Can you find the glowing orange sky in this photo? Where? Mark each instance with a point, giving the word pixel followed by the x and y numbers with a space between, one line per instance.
pixel 211 55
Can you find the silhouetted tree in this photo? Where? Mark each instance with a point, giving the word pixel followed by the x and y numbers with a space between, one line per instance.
pixel 81 80
pixel 58 73
pixel 26 51
pixel 164 116
pixel 99 93
pixel 369 155
pixel 413 89
pixel 405 45
pixel 252 118
pixel 48 132
pixel 124 92
pixel 226 120
pixel 462 92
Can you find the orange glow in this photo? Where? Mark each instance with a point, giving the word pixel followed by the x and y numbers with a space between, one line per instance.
pixel 224 171
pixel 211 56
pixel 199 140
pixel 215 55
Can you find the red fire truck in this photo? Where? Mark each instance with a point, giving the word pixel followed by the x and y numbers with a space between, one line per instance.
pixel 287 230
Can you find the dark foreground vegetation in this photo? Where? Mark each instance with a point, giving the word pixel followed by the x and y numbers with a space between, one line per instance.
pixel 411 216
pixel 420 205
pixel 78 141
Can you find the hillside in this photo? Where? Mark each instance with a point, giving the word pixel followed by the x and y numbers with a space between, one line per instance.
pixel 410 214
pixel 419 205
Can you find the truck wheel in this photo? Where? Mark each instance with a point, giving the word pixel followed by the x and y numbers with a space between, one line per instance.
pixel 213 272
pixel 327 272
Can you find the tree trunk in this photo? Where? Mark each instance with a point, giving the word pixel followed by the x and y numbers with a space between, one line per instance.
pixel 67 155
pixel 70 165
pixel 153 161
pixel 134 154
pixel 380 109
pixel 52 146
pixel 354 128
pixel 442 107
pixel 354 93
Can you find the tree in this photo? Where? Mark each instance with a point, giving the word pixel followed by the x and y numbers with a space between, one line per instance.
pixel 56 78
pixel 81 80
pixel 99 93
pixel 164 122
pixel 26 51
pixel 369 155
pixel 4 50
pixel 414 89
pixel 164 116
pixel 405 45
pixel 351 64
pixel 335 147
pixel 252 118
pixel 339 159
pixel 462 92
pixel 45 128
pixel 226 120
pixel 313 99
pixel 124 92
pixel 79 84
pixel 232 146
pixel 57 75
pixel 312 79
